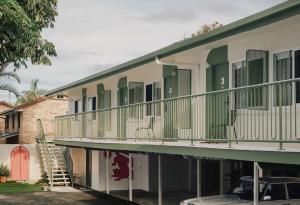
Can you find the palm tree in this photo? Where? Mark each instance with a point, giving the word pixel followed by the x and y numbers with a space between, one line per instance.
pixel 6 85
pixel 33 93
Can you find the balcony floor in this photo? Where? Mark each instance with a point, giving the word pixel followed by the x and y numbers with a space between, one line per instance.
pixel 250 151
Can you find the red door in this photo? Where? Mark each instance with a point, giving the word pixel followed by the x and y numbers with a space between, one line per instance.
pixel 19 163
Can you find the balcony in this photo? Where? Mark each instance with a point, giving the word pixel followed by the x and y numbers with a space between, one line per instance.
pixel 263 117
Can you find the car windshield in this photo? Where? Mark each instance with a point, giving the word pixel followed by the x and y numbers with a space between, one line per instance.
pixel 243 189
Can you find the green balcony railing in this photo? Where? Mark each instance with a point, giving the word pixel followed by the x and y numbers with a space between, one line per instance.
pixel 266 112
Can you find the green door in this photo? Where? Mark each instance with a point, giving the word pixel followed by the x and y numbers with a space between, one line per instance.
pixel 104 116
pixel 217 105
pixel 122 112
pixel 177 82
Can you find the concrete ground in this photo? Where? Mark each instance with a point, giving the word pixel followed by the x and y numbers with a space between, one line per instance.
pixel 150 198
pixel 61 198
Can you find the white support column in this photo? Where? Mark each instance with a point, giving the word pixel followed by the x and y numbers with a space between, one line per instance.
pixel 256 170
pixel 159 181
pixel 130 176
pixel 107 172
pixel 221 177
pixel 198 178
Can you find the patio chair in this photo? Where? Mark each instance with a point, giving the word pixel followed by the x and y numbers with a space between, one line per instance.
pixel 149 128
pixel 224 125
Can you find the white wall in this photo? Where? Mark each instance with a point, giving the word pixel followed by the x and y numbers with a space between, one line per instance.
pixel 79 164
pixel 35 172
pixel 140 173
pixel 140 170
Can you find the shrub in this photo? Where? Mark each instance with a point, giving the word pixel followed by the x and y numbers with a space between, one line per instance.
pixel 4 170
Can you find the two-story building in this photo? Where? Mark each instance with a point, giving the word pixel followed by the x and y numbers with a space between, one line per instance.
pixel 192 116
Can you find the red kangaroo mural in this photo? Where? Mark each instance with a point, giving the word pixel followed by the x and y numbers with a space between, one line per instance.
pixel 120 164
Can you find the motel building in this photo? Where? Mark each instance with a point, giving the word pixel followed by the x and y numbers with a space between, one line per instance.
pixel 190 119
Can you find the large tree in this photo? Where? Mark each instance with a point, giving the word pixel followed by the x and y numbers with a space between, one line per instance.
pixel 21 25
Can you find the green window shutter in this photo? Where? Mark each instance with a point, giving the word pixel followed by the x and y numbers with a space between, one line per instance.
pixel 100 90
pixel 136 95
pixel 257 68
pixel 282 71
pixel 136 92
pixel 83 99
pixel 239 79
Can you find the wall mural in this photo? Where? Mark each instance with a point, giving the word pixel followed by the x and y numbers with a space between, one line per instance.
pixel 120 165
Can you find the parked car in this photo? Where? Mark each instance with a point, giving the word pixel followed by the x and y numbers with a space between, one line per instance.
pixel 272 191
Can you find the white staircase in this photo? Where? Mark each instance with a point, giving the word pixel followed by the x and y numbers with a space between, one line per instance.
pixel 54 164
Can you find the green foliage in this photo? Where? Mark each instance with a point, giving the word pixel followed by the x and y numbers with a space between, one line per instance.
pixel 5 85
pixel 21 24
pixel 4 170
pixel 32 94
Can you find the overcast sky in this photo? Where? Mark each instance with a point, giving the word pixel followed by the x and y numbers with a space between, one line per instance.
pixel 93 35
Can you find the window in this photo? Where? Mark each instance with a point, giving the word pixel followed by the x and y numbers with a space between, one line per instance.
pixel 283 71
pixel 297 74
pixel 92 106
pixel 13 121
pixel 240 80
pixel 136 95
pixel 294 190
pixel 276 192
pixel 149 98
pixel 6 122
pixel 257 67
pixel 153 93
pixel 76 108
pixel 19 119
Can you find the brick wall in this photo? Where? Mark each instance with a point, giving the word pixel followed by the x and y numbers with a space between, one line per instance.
pixel 46 111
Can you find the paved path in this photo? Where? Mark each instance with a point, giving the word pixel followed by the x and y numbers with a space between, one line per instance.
pixel 60 198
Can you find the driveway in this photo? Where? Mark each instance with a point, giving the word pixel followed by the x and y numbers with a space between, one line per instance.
pixel 59 198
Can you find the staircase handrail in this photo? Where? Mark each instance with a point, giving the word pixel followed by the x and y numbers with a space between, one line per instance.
pixel 46 151
pixel 69 164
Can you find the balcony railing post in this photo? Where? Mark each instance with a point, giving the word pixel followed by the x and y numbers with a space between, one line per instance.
pixel 280 117
pixel 229 119
pixel 191 120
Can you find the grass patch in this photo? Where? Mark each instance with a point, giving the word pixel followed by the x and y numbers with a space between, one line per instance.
pixel 15 187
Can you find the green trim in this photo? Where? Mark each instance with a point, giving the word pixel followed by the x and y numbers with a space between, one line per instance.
pixel 271 15
pixel 218 55
pixel 276 156
pixel 122 83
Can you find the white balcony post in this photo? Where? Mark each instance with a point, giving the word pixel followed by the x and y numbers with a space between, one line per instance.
pixel 159 181
pixel 198 178
pixel 257 170
pixel 107 172
pixel 130 176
